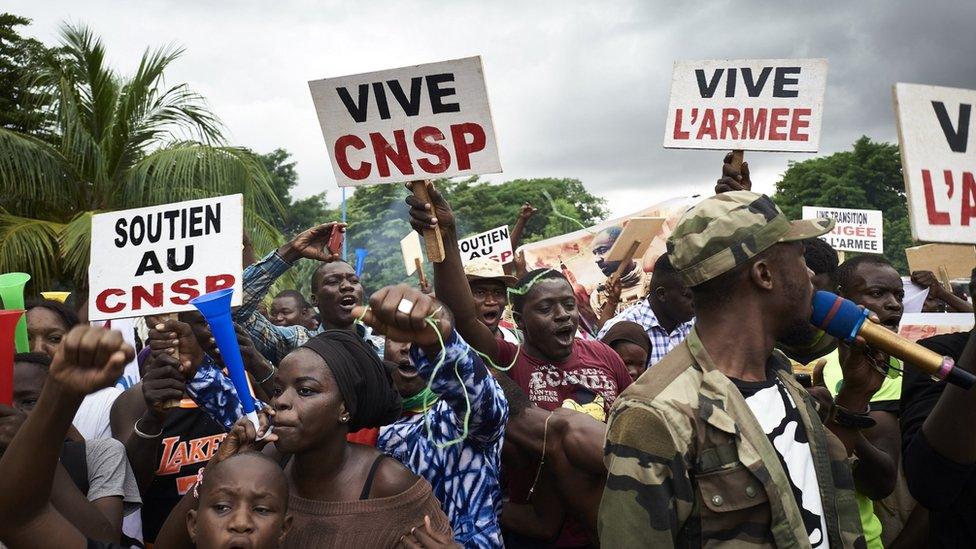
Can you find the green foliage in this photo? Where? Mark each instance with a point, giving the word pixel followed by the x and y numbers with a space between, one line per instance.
pixel 297 215
pixel 118 142
pixel 866 177
pixel 377 217
pixel 23 107
pixel 480 206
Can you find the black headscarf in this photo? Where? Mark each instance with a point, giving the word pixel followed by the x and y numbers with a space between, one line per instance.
pixel 628 331
pixel 363 380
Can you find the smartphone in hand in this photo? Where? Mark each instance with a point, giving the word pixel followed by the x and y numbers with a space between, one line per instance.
pixel 335 240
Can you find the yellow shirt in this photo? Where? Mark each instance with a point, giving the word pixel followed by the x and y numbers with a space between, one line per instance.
pixel 890 391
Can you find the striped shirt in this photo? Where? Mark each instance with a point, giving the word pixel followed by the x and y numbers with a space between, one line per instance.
pixel 662 341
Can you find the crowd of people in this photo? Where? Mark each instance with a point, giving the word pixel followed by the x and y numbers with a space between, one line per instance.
pixel 498 408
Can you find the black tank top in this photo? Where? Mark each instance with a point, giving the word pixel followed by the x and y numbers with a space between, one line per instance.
pixel 190 438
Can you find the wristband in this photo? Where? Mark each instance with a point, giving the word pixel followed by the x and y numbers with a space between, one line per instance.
pixel 853 420
pixel 135 427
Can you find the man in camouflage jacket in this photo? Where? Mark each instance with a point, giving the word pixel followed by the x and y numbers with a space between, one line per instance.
pixel 690 463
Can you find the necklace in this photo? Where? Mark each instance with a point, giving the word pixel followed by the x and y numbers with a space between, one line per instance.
pixel 542 461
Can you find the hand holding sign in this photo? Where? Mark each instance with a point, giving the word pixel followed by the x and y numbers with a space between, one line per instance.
pixel 431 213
pixel 735 175
pixel 313 244
pixel 176 339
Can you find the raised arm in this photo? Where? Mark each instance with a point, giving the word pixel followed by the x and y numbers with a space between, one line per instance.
pixel 275 342
pixel 89 359
pixel 955 303
pixel 450 284
pixel 525 212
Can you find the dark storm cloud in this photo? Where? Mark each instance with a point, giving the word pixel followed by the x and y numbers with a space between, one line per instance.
pixel 577 89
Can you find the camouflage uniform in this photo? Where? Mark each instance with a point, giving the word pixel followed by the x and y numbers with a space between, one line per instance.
pixel 689 465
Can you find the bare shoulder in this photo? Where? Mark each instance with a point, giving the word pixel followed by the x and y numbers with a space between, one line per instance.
pixel 391 477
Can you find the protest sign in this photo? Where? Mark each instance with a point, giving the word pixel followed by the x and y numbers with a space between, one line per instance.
pixel 410 248
pixel 854 230
pixel 495 244
pixel 751 104
pixel 583 253
pixel 155 260
pixel 407 124
pixel 915 296
pixel 916 326
pixel 638 230
pixel 938 161
pixel 956 260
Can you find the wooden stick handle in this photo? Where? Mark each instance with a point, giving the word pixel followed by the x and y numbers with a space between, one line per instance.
pixel 420 271
pixel 944 276
pixel 170 404
pixel 624 263
pixel 737 156
pixel 432 237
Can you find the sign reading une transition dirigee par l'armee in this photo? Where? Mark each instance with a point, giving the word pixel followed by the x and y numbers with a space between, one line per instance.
pixel 406 124
pixel 155 260
pixel 854 230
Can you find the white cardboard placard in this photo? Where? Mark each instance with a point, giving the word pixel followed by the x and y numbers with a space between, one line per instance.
pixel 411 251
pixel 495 244
pixel 751 104
pixel 406 124
pixel 938 157
pixel 155 260
pixel 854 230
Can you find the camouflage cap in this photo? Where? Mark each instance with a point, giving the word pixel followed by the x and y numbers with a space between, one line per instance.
pixel 728 229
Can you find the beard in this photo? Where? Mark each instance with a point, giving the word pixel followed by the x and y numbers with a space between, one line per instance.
pixel 797 329
pixel 798 333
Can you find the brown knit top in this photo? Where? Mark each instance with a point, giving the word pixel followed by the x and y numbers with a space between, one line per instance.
pixel 368 523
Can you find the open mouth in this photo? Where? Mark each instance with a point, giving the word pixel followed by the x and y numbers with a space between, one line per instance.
pixel 490 317
pixel 407 370
pixel 348 302
pixel 564 333
pixel 891 323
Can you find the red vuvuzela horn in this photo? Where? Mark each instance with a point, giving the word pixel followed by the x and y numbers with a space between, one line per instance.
pixel 8 325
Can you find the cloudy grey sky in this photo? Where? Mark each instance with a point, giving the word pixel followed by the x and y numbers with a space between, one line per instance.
pixel 577 89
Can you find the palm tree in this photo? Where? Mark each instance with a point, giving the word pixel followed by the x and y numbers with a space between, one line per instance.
pixel 119 142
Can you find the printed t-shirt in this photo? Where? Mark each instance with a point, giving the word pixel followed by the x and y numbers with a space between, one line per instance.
pixel 190 438
pixel 780 420
pixel 592 370
pixel 592 367
pixel 885 399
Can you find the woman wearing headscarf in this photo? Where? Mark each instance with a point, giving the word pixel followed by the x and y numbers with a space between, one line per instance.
pixel 344 494
pixel 629 340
